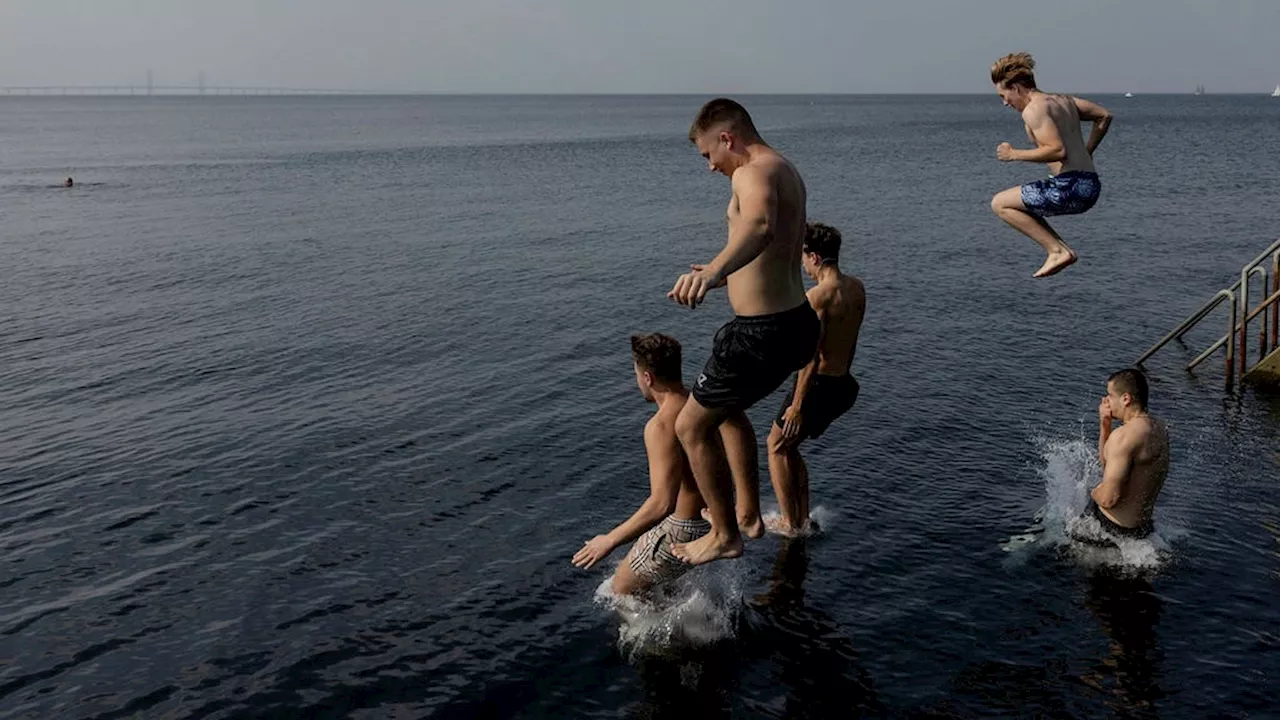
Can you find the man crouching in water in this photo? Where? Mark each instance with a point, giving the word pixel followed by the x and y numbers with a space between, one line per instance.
pixel 1135 460
pixel 672 513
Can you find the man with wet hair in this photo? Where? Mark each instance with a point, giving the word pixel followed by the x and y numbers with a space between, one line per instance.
pixel 672 512
pixel 1135 459
pixel 1053 124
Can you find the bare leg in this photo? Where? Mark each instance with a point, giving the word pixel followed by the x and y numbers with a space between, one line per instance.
pixel 699 431
pixel 1008 205
pixel 783 475
pixel 625 580
pixel 783 481
pixel 739 440
pixel 801 470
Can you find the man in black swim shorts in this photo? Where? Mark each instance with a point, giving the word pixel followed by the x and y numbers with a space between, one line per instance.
pixel 824 390
pixel 773 334
pixel 1135 462
pixel 1053 124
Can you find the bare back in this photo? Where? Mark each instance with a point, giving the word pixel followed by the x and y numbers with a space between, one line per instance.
pixel 689 502
pixel 841 302
pixel 1065 116
pixel 1147 441
pixel 771 283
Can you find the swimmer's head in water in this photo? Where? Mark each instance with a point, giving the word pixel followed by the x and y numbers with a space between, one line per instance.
pixel 821 247
pixel 1015 79
pixel 657 363
pixel 69 182
pixel 721 131
pixel 1127 389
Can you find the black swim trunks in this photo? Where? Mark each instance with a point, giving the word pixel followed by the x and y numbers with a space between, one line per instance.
pixel 1112 529
pixel 829 397
pixel 752 356
pixel 1068 193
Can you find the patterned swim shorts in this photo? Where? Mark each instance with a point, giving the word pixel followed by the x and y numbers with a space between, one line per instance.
pixel 652 559
pixel 1068 193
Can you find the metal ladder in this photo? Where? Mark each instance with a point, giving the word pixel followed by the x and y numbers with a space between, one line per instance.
pixel 1237 338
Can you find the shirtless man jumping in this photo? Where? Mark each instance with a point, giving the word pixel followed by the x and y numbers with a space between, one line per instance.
pixel 671 513
pixel 1053 124
pixel 824 390
pixel 1135 459
pixel 773 334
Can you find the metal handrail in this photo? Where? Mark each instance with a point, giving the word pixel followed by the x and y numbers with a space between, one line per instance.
pixel 1246 273
pixel 1273 300
pixel 1231 327
pixel 1241 310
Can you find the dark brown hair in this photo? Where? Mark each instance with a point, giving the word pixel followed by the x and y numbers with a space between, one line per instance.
pixel 1133 382
pixel 722 111
pixel 823 240
pixel 658 355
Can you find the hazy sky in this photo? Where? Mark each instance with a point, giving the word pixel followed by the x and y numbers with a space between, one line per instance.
pixel 659 46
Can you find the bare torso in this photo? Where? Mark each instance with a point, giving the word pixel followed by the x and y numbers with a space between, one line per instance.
pixel 771 283
pixel 1148 468
pixel 841 300
pixel 1062 110
pixel 689 502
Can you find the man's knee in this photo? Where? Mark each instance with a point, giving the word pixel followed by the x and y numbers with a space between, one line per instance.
pixel 625 580
pixel 997 204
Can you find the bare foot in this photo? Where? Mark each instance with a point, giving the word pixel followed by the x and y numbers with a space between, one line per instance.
pixel 752 528
pixel 708 548
pixel 778 526
pixel 1055 263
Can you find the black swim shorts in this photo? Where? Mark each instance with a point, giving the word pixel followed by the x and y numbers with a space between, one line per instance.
pixel 1111 530
pixel 829 397
pixel 752 356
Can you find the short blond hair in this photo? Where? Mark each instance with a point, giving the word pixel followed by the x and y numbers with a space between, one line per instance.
pixel 1015 69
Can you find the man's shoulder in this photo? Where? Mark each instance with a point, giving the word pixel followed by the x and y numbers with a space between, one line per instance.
pixel 853 282
pixel 820 296
pixel 1129 436
pixel 755 173
pixel 1037 107
pixel 660 429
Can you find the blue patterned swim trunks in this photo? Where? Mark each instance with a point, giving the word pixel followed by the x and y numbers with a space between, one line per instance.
pixel 1068 193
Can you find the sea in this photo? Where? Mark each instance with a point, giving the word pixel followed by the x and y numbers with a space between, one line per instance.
pixel 307 402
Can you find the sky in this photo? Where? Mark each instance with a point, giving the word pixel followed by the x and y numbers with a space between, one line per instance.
pixel 650 46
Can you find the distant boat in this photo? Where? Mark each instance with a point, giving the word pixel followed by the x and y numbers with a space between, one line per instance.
pixel 1128 94
pixel 1199 90
pixel 1276 92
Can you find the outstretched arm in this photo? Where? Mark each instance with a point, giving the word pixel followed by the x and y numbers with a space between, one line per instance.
pixel 1101 118
pixel 749 235
pixel 664 487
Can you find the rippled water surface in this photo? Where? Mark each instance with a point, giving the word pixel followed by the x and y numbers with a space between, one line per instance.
pixel 306 403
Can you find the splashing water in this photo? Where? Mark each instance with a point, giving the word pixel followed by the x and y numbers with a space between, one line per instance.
pixel 1070 469
pixel 820 520
pixel 699 609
